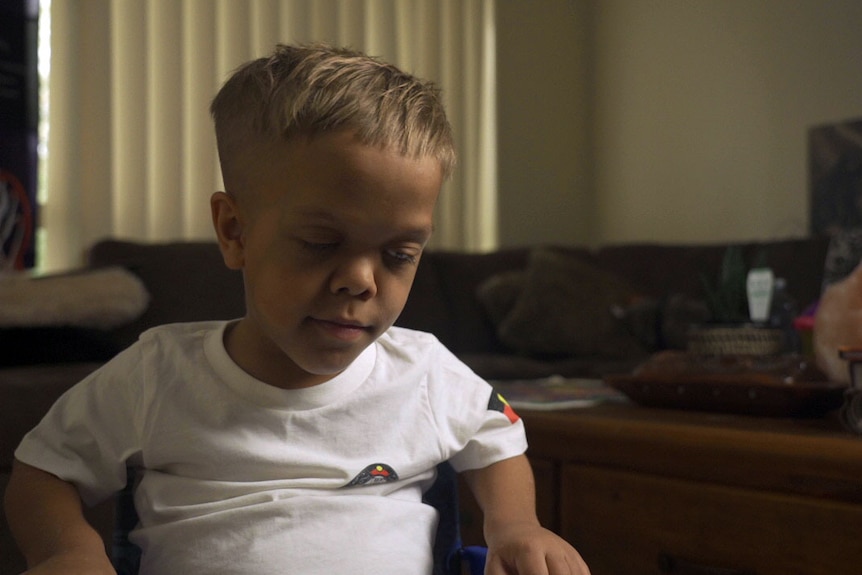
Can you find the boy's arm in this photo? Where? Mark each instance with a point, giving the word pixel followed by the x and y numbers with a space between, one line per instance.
pixel 517 543
pixel 46 519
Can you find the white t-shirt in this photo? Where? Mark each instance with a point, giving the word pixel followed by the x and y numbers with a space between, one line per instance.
pixel 244 478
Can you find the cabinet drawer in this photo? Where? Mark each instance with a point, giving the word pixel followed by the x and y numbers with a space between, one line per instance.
pixel 634 524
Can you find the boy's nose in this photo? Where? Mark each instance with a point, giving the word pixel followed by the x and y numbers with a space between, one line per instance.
pixel 355 277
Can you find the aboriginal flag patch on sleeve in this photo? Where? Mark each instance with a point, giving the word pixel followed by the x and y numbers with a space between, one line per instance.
pixel 499 403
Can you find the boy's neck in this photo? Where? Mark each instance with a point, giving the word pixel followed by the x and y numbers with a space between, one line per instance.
pixel 272 367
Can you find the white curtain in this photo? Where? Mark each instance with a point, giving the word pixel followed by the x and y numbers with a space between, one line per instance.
pixel 131 153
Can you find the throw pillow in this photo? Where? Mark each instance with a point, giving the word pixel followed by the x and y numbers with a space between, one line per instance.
pixel 499 294
pixel 569 307
pixel 100 299
pixel 664 324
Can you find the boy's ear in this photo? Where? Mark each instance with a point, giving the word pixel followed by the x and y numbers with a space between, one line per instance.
pixel 227 222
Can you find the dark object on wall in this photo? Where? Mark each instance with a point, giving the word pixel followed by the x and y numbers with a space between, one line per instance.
pixel 835 172
pixel 19 120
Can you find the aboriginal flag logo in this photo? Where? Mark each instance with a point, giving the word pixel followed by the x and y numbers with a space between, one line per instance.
pixel 374 473
pixel 499 403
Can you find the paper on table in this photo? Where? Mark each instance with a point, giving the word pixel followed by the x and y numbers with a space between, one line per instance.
pixel 556 392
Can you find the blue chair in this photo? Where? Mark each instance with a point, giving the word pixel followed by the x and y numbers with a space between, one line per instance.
pixel 449 553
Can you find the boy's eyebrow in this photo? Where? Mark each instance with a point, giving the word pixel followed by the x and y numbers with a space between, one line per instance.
pixel 420 234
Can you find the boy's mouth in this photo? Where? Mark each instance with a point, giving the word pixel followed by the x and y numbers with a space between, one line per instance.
pixel 346 330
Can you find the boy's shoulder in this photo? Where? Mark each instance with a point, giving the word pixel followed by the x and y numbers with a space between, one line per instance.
pixel 402 340
pixel 182 330
pixel 423 349
pixel 180 339
pixel 406 334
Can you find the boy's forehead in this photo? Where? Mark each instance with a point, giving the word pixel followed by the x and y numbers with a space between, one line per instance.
pixel 339 167
pixel 324 178
pixel 321 153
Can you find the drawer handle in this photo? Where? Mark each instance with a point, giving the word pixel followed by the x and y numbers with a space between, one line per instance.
pixel 667 563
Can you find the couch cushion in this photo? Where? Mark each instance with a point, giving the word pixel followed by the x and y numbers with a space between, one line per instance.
pixel 499 294
pixel 443 299
pixel 426 308
pixel 187 281
pixel 567 308
pixel 48 345
pixel 508 366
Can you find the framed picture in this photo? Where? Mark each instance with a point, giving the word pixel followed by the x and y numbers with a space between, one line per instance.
pixel 18 134
pixel 835 170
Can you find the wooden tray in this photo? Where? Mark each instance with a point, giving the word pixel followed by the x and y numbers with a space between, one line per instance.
pixel 746 386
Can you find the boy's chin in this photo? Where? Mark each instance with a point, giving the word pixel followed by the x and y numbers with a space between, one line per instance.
pixel 329 365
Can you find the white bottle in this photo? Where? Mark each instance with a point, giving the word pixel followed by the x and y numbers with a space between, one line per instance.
pixel 759 288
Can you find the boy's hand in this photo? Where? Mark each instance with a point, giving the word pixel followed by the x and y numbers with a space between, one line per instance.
pixel 517 543
pixel 529 549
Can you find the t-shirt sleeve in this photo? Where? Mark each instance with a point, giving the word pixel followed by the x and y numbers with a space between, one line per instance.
pixel 91 432
pixel 477 426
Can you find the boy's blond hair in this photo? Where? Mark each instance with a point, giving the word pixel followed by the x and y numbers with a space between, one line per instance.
pixel 307 90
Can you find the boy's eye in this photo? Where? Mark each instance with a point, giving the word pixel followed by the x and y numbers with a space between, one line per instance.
pixel 401 257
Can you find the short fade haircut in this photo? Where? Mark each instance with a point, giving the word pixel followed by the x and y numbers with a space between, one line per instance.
pixel 310 89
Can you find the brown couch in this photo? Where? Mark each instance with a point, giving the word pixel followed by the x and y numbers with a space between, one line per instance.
pixel 513 313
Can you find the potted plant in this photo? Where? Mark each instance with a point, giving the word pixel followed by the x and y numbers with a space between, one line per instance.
pixel 726 298
pixel 730 330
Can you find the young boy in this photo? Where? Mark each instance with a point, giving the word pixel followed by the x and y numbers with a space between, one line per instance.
pixel 299 438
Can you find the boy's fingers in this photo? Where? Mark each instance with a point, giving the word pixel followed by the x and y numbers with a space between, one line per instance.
pixel 492 566
pixel 553 564
pixel 526 564
pixel 577 564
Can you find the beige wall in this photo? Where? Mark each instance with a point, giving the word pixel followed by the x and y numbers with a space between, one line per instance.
pixel 543 131
pixel 687 119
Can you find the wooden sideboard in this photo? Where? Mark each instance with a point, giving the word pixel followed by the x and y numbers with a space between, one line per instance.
pixel 642 491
